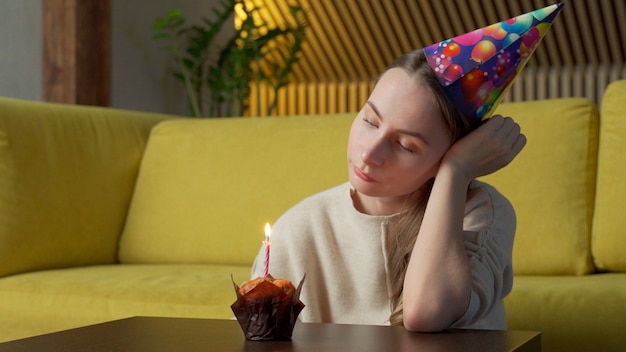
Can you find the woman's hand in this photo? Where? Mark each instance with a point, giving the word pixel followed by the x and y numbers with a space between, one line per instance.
pixel 487 149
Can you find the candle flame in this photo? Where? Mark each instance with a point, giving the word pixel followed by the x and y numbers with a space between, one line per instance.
pixel 268 231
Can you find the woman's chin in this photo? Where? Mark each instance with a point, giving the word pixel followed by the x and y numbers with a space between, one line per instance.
pixel 365 188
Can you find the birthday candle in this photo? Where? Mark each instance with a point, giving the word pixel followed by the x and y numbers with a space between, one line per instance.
pixel 267 243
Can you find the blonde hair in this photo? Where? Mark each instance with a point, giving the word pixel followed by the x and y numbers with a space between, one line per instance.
pixel 458 125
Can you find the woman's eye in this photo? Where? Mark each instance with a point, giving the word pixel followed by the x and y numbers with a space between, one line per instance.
pixel 406 148
pixel 367 121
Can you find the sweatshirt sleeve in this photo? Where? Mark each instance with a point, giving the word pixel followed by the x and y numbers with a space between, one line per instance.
pixel 489 229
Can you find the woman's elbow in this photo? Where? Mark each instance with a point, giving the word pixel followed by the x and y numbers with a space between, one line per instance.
pixel 429 319
pixel 416 322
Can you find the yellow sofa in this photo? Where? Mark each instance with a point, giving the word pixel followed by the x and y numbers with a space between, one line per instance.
pixel 106 214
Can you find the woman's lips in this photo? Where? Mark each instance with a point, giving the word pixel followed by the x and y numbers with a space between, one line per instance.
pixel 363 176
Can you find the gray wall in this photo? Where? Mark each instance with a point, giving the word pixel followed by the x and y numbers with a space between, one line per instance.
pixel 20 49
pixel 141 76
pixel 141 69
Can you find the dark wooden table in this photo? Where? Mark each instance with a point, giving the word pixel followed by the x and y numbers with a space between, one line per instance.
pixel 143 334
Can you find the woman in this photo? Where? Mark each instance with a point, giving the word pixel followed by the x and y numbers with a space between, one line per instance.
pixel 412 238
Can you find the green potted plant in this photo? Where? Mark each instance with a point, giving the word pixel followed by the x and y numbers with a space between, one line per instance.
pixel 254 54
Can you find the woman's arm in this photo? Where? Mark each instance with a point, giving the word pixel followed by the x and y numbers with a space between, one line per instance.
pixel 438 280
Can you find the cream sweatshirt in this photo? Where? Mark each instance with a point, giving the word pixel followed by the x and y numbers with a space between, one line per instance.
pixel 344 254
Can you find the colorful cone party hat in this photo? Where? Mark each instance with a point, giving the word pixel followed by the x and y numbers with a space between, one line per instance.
pixel 477 68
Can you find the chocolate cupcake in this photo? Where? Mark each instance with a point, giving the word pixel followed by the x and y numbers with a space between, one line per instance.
pixel 267 308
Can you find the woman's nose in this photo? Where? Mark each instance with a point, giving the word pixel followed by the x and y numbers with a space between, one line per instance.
pixel 373 154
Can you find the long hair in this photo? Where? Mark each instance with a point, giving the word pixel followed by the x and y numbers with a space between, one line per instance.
pixel 458 125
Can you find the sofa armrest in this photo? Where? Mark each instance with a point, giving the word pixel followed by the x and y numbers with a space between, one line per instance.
pixel 66 177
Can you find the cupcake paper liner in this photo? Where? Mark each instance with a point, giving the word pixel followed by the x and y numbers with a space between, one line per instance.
pixel 266 312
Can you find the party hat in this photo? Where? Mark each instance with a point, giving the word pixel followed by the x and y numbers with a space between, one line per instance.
pixel 477 68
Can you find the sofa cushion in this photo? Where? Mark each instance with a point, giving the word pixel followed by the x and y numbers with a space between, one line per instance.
pixel 207 187
pixel 573 313
pixel 66 178
pixel 551 185
pixel 609 233
pixel 45 301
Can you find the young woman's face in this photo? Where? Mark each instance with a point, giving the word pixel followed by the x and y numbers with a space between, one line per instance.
pixel 397 140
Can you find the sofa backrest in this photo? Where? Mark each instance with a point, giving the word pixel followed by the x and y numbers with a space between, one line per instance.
pixel 609 229
pixel 207 187
pixel 551 185
pixel 66 177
